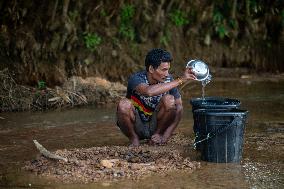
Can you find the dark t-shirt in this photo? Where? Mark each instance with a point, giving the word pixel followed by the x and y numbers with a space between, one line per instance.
pixel 145 105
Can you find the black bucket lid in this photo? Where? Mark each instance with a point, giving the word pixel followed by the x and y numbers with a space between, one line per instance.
pixel 214 103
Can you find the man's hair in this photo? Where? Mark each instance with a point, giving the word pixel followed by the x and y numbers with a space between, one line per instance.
pixel 155 57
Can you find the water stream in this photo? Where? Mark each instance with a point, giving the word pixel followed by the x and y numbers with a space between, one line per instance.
pixel 262 165
pixel 204 83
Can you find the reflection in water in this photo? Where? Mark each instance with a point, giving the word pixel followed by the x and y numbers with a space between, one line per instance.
pixel 262 165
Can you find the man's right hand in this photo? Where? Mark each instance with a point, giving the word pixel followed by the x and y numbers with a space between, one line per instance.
pixel 188 74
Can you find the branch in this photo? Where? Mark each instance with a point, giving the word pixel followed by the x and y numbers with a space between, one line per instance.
pixel 54 11
pixel 65 8
pixel 47 153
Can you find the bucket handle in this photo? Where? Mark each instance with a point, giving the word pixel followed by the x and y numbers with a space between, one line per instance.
pixel 218 131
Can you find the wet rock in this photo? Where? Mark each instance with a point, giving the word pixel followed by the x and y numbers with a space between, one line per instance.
pixel 108 163
pixel 134 159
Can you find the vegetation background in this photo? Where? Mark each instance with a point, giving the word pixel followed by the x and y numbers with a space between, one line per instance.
pixel 51 40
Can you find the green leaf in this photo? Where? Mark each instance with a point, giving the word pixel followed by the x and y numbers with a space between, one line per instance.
pixel 179 18
pixel 41 84
pixel 222 32
pixel 92 41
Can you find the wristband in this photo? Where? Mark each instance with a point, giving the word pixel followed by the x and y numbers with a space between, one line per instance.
pixel 179 81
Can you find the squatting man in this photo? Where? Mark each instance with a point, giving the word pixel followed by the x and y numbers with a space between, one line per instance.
pixel 152 108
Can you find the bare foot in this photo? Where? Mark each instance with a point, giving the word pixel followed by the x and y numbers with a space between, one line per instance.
pixel 156 139
pixel 164 141
pixel 135 142
pixel 165 137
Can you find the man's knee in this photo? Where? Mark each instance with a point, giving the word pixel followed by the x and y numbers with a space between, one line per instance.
pixel 168 102
pixel 124 106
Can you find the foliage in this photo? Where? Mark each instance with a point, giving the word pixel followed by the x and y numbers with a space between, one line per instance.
pixel 134 50
pixel 219 24
pixel 115 41
pixel 126 28
pixel 127 13
pixel 255 6
pixel 73 15
pixel 179 18
pixel 35 32
pixel 165 38
pixel 127 31
pixel 233 23
pixel 103 13
pixel 41 85
pixel 92 41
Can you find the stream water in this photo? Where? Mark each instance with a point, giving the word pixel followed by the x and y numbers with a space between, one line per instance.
pixel 262 165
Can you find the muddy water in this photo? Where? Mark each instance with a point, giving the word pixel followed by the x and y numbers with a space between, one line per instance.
pixel 263 158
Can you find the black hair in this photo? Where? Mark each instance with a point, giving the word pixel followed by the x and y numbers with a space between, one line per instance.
pixel 155 57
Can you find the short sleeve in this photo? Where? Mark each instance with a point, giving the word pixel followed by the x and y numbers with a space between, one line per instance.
pixel 175 92
pixel 133 81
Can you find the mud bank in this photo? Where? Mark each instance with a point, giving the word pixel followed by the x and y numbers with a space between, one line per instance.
pixel 109 163
pixel 75 91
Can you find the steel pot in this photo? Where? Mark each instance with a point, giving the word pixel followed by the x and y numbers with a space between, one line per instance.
pixel 199 68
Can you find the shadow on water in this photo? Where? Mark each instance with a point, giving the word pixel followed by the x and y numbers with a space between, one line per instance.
pixel 262 165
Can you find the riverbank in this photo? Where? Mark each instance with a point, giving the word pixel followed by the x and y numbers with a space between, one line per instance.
pixel 75 91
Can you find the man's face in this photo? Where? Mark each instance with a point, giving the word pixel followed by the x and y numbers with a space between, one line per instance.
pixel 162 72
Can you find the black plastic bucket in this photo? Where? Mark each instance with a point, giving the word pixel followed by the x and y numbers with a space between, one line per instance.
pixel 220 134
pixel 211 103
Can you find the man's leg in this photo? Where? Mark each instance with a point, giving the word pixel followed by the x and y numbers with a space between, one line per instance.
pixel 126 120
pixel 167 112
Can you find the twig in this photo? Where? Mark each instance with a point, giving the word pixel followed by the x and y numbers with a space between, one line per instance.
pixel 47 153
pixel 80 97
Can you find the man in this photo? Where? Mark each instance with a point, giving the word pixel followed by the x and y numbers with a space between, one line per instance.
pixel 152 108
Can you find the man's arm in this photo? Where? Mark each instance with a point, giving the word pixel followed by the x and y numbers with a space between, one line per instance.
pixel 160 88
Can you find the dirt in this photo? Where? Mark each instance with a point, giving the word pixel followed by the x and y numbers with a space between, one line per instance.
pixel 110 163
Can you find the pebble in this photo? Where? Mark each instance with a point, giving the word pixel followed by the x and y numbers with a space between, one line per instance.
pixel 97 163
pixel 107 163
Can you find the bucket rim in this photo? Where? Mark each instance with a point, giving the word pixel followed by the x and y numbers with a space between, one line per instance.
pixel 214 98
pixel 215 102
pixel 222 112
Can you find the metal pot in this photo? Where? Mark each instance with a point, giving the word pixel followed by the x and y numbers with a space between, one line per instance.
pixel 199 68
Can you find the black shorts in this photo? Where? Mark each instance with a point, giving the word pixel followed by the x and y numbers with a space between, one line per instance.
pixel 144 130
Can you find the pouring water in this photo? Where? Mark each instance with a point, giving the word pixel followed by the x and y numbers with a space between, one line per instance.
pixel 201 71
pixel 204 83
